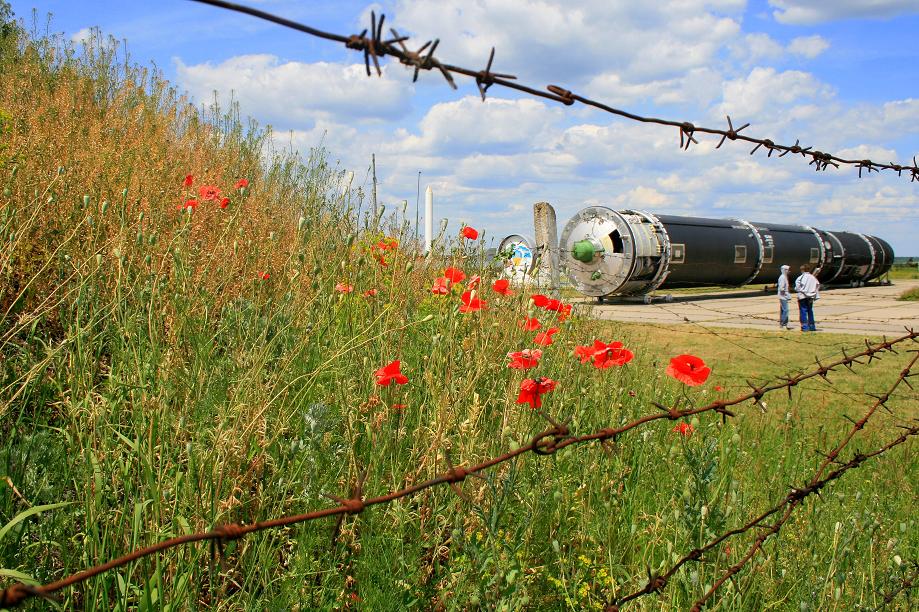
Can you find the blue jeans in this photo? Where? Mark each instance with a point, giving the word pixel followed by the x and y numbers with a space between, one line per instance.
pixel 806 307
pixel 783 313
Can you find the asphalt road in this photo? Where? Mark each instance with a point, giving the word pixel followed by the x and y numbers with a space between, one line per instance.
pixel 872 310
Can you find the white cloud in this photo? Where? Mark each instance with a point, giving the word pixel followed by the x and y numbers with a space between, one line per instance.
pixel 295 94
pixel 538 39
pixel 810 12
pixel 756 47
pixel 84 35
pixel 808 46
pixel 865 151
pixel 765 89
pixel 470 125
pixel 698 87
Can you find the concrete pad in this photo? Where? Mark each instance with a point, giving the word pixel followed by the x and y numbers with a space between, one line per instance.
pixel 872 310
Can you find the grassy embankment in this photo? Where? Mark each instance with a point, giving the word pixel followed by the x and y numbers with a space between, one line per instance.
pixel 153 382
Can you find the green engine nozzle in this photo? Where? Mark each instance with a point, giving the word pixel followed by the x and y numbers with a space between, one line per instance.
pixel 583 250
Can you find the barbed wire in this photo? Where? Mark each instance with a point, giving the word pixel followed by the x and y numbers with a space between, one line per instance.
pixel 791 501
pixel 375 47
pixel 905 585
pixel 547 442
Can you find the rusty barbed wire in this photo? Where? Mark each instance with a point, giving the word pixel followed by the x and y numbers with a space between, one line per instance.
pixel 374 47
pixel 789 503
pixel 547 442
pixel 905 585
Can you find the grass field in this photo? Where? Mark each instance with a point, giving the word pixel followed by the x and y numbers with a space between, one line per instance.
pixel 166 367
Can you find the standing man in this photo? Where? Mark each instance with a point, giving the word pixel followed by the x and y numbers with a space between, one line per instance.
pixel 807 287
pixel 782 287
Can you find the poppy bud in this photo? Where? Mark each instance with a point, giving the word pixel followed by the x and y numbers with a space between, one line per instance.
pixel 147 259
pixel 350 240
pixel 300 223
pixel 7 192
pixel 124 193
pixel 152 239
pixel 98 259
pixel 427 318
pixel 361 260
pixel 409 267
pixel 140 238
pixel 85 200
pixel 14 172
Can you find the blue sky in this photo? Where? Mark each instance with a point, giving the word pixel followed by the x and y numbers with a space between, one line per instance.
pixel 841 77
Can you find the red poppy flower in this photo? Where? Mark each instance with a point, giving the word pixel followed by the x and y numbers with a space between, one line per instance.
pixel 539 300
pixel 564 312
pixel 189 179
pixel 389 374
pixel 552 304
pixel 381 259
pixel 584 353
pixel 398 407
pixel 241 183
pixel 545 338
pixel 684 429
pixel 502 286
pixel 531 390
pixel 264 275
pixel 369 293
pixel 530 324
pixel 471 302
pixel 441 286
pixel 525 359
pixel 224 202
pixel 719 388
pixel 189 205
pixel 344 288
pixel 612 354
pixel 469 232
pixel 209 192
pixel 689 370
pixel 454 275
pixel 386 244
pixel 474 282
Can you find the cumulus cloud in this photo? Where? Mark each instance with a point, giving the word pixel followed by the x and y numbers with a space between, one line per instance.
pixel 767 89
pixel 697 87
pixel 808 46
pixel 84 35
pixel 295 94
pixel 540 40
pixel 808 12
pixel 470 125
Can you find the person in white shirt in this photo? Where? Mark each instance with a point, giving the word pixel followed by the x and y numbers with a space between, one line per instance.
pixel 782 287
pixel 808 287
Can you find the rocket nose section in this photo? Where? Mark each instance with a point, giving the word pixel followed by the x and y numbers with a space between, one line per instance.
pixel 595 251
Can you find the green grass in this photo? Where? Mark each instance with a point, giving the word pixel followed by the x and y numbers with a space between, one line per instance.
pixel 910 294
pixel 903 272
pixel 156 384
